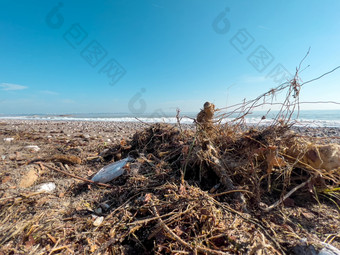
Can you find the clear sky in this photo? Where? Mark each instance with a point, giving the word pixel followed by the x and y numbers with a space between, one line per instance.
pixel 142 55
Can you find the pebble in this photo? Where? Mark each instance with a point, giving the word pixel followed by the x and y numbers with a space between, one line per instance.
pixel 12 156
pixel 98 221
pixel 98 210
pixel 105 206
pixel 8 140
pixel 32 148
pixel 104 153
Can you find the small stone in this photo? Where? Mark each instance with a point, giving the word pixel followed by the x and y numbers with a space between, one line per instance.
pixel 104 153
pixel 98 210
pixel 29 178
pixel 8 140
pixel 20 156
pixel 118 156
pixel 33 148
pixel 5 179
pixel 105 206
pixel 12 156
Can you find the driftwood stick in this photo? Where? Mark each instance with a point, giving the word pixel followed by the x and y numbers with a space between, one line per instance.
pixel 225 179
pixel 221 173
pixel 74 176
pixel 287 195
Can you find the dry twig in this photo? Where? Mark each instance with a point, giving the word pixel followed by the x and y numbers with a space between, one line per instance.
pixel 77 177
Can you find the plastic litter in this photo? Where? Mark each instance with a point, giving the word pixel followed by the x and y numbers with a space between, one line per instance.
pixel 329 250
pixel 8 140
pixel 47 187
pixel 110 172
pixel 98 221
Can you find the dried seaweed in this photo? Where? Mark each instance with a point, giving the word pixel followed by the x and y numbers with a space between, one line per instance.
pixel 212 189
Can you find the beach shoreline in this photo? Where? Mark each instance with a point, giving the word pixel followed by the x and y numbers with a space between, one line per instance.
pixel 33 152
pixel 124 129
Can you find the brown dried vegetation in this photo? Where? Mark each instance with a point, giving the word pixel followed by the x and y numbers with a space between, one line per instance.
pixel 216 189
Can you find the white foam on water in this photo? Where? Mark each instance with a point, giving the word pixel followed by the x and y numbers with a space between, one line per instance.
pixel 118 119
pixel 302 122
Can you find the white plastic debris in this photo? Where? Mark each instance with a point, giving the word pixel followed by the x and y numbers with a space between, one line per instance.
pixel 110 172
pixel 329 250
pixel 47 187
pixel 8 140
pixel 98 221
pixel 32 147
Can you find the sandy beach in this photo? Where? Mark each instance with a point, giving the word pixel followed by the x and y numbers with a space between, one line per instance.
pixel 25 141
pixel 86 138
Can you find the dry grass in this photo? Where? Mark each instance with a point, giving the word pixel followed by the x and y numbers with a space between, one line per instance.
pixel 218 189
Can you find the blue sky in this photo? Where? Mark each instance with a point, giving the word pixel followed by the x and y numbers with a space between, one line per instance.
pixel 140 56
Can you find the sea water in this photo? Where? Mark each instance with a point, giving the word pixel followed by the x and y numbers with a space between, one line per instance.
pixel 310 118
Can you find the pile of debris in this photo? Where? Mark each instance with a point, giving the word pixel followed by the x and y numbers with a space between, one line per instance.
pixel 218 188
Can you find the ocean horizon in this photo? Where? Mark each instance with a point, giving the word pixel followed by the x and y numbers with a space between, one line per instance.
pixel 313 118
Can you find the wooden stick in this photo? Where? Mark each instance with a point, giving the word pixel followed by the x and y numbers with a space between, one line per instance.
pixel 229 191
pixel 76 177
pixel 287 195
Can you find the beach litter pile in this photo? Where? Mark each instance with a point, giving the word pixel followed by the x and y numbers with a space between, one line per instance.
pixel 214 188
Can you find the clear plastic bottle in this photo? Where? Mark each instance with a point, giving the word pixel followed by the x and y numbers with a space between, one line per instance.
pixel 111 171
